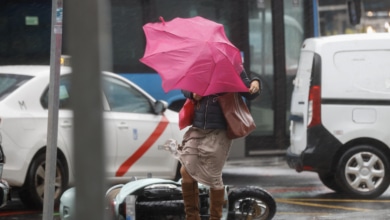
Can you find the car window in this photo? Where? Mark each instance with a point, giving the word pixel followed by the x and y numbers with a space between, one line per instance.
pixel 63 94
pixel 122 97
pixel 10 82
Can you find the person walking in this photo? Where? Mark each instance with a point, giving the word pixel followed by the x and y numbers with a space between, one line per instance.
pixel 205 148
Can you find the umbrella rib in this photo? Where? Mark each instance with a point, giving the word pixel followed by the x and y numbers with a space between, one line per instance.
pixel 181 36
pixel 192 64
pixel 226 45
pixel 176 48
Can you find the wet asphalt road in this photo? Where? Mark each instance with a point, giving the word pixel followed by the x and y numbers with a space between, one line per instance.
pixel 299 196
pixel 302 196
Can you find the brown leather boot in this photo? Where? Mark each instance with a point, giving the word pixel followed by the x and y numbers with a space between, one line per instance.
pixel 191 200
pixel 217 201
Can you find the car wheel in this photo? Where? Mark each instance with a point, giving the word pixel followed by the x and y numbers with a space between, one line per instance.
pixel 329 180
pixel 33 190
pixel 364 172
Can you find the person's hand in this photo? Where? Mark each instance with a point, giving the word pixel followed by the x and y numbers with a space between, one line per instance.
pixel 254 87
pixel 196 97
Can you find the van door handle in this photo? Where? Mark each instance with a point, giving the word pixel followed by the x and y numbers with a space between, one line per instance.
pixel 301 102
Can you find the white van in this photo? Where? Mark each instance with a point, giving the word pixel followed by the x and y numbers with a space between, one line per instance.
pixel 340 113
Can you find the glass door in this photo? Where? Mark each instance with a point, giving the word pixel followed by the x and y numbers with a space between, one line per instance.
pixel 276 71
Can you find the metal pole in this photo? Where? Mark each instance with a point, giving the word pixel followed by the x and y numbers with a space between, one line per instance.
pixel 89 38
pixel 52 128
pixel 279 54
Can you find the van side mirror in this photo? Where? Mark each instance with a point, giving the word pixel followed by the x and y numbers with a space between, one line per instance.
pixel 354 11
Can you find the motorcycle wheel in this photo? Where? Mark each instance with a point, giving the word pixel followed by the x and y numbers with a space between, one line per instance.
pixel 251 203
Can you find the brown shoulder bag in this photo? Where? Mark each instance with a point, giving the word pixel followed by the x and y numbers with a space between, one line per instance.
pixel 239 119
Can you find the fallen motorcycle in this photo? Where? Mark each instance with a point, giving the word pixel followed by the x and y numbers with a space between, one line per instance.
pixel 160 199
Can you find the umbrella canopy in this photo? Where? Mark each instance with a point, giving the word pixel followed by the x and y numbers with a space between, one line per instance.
pixel 193 54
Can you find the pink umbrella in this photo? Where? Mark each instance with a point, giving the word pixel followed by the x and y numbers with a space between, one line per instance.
pixel 193 54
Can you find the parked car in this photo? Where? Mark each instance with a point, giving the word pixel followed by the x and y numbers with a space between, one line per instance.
pixel 340 113
pixel 4 188
pixel 132 121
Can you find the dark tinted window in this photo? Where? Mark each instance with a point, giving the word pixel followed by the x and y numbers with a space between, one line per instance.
pixel 63 94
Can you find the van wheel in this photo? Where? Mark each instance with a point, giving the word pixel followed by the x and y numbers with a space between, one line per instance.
pixel 329 180
pixel 364 172
pixel 33 190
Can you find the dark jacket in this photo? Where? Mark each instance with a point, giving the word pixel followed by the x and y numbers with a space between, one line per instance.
pixel 208 113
